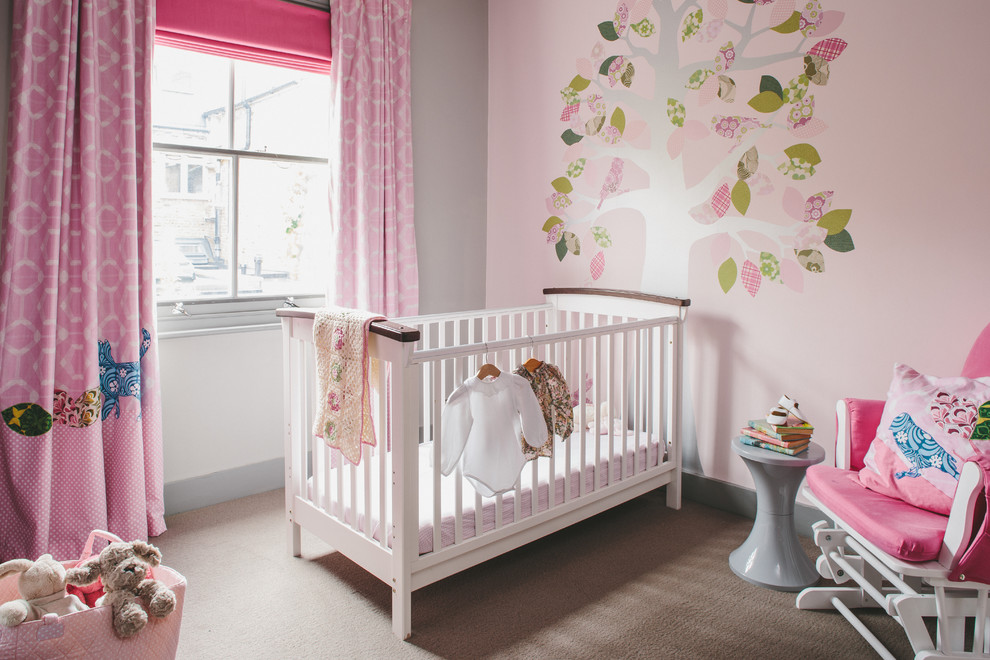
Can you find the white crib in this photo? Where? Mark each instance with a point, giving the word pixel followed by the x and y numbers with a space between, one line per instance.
pixel 395 515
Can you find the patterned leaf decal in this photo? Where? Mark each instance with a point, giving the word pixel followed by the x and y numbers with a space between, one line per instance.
pixel 573 243
pixel 562 185
pixel 607 28
pixel 594 124
pixel 27 419
pixel 741 196
pixel 841 242
pixel 829 49
pixel 603 69
pixel 726 89
pixel 766 102
pixel 811 260
pixel 796 89
pixel 676 112
pixel 748 164
pixel 751 277
pixel 602 237
pixel 698 78
pixel 727 273
pixel 575 169
pixel 570 137
pixel 692 23
pixel 551 221
pixel 835 221
pixel 597 265
pixel 769 266
pixel 804 152
pixel 792 24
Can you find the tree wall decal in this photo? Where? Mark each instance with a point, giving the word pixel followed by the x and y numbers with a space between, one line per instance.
pixel 731 86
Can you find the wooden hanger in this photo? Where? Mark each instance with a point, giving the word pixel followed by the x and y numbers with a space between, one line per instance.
pixel 488 369
pixel 532 364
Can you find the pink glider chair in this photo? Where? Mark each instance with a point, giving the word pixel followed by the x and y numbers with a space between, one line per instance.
pixel 884 552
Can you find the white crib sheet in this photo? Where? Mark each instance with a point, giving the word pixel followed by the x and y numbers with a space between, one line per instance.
pixel 646 455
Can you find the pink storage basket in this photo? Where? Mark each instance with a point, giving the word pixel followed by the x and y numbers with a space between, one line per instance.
pixel 89 634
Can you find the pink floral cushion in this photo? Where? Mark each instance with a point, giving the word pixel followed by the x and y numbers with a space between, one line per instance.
pixel 924 437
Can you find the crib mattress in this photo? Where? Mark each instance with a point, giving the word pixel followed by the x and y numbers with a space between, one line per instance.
pixel 557 470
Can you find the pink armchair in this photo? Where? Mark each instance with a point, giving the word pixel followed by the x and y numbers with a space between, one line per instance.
pixel 884 552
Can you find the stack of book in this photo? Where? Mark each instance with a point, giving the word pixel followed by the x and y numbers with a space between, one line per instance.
pixel 791 438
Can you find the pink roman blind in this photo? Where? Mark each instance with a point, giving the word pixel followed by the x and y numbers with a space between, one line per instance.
pixel 267 31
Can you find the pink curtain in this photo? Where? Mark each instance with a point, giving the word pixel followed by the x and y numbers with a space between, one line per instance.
pixel 371 184
pixel 80 443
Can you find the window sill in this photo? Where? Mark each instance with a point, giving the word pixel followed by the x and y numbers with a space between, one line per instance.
pixel 224 317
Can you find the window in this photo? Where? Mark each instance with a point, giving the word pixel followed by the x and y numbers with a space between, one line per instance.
pixel 241 216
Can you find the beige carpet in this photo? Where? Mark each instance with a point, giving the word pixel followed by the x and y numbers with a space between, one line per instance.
pixel 639 581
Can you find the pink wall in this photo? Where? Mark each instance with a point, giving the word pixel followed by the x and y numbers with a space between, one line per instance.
pixel 901 146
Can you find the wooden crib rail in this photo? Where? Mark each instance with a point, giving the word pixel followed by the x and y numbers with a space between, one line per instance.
pixel 618 293
pixel 388 329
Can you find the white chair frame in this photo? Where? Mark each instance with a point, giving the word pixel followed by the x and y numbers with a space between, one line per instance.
pixel 910 592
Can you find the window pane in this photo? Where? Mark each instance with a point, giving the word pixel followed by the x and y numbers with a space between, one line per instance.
pixel 192 228
pixel 284 219
pixel 190 98
pixel 281 110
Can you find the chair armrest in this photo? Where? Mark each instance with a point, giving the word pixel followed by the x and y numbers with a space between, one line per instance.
pixel 856 422
pixel 959 529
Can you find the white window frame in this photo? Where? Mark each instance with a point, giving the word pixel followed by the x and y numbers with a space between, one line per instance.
pixel 178 318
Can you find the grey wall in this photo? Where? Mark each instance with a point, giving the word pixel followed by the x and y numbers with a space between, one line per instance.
pixel 450 138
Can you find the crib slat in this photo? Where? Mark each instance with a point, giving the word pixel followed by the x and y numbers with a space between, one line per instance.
pixel 436 395
pixel 624 398
pixel 384 442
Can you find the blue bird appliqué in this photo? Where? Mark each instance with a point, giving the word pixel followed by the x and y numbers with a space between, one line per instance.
pixel 920 449
pixel 120 379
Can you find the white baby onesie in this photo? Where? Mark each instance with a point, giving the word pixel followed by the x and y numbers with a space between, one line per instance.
pixel 482 423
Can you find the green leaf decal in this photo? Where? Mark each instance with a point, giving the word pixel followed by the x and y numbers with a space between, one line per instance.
pixel 835 221
pixel 766 102
pixel 551 221
pixel 603 69
pixel 562 184
pixel 841 242
pixel 561 248
pixel 570 137
pixel 579 84
pixel 792 24
pixel 727 273
pixel 741 196
pixel 771 84
pixel 692 23
pixel 607 28
pixel 619 120
pixel 804 152
pixel 698 78
pixel 796 89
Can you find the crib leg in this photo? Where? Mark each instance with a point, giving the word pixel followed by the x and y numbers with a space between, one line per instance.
pixel 674 491
pixel 294 538
pixel 401 613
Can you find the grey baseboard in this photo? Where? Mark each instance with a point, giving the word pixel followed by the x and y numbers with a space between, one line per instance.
pixel 197 492
pixel 742 501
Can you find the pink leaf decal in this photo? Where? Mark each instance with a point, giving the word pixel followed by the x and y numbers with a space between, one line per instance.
pixel 597 265
pixel 831 20
pixel 792 275
pixel 782 10
pixel 809 129
pixel 829 49
pixel 586 69
pixel 717 9
pixel 794 204
pixel 675 143
pixel 703 214
pixel 708 91
pixel 640 10
pixel 695 130
pixel 721 200
pixel 751 277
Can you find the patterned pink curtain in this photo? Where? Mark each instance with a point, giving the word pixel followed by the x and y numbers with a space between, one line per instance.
pixel 80 443
pixel 371 190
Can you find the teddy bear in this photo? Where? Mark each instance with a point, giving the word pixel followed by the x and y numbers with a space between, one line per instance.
pixel 41 584
pixel 125 569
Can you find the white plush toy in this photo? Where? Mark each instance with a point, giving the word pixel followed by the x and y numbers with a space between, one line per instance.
pixel 42 587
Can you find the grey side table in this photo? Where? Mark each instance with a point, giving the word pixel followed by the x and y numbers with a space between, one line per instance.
pixel 772 556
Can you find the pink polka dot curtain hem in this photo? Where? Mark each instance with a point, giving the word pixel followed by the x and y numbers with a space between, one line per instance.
pixel 371 189
pixel 81 440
